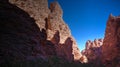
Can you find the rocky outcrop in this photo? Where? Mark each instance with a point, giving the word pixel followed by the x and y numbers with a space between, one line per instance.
pixel 105 52
pixel 29 30
pixel 111 44
pixel 65 44
pixel 83 59
pixel 47 18
pixel 37 9
pixel 56 22
pixel 93 51
pixel 21 38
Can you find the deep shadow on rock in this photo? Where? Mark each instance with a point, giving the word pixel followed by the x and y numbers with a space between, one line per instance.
pixel 20 37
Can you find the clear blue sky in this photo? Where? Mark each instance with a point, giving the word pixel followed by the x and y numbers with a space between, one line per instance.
pixel 87 18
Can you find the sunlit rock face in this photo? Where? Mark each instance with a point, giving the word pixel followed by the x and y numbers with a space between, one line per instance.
pixel 83 59
pixel 111 44
pixel 29 29
pixel 47 18
pixel 93 51
pixel 37 9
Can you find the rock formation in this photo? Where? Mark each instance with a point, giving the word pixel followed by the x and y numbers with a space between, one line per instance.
pixel 20 36
pixel 47 18
pixel 29 30
pixel 93 51
pixel 37 9
pixel 83 59
pixel 107 51
pixel 111 44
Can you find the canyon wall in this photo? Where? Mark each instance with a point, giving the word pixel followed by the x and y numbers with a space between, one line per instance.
pixel 105 51
pixel 30 30
pixel 111 44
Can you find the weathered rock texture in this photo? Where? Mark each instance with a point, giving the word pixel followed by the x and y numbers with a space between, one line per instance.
pixel 47 18
pixel 93 51
pixel 20 36
pixel 29 29
pixel 83 59
pixel 37 9
pixel 111 44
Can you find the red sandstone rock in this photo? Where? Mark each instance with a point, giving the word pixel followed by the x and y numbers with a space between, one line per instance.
pixel 111 44
pixel 83 59
pixel 93 51
pixel 34 30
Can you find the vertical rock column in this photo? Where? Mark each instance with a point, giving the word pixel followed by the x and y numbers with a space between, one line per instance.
pixel 111 44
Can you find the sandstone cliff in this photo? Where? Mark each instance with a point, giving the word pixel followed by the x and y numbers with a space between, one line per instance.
pixel 21 38
pixel 29 30
pixel 111 44
pixel 105 51
pixel 93 51
pixel 47 18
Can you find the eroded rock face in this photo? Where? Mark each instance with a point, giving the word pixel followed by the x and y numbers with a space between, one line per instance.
pixel 93 51
pixel 56 23
pixel 111 44
pixel 83 59
pixel 32 30
pixel 21 38
pixel 37 9
pixel 47 18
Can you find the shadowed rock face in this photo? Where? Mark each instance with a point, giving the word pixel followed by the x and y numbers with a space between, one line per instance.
pixel 50 19
pixel 111 44
pixel 27 31
pixel 30 30
pixel 93 51
pixel 47 18
pixel 20 36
